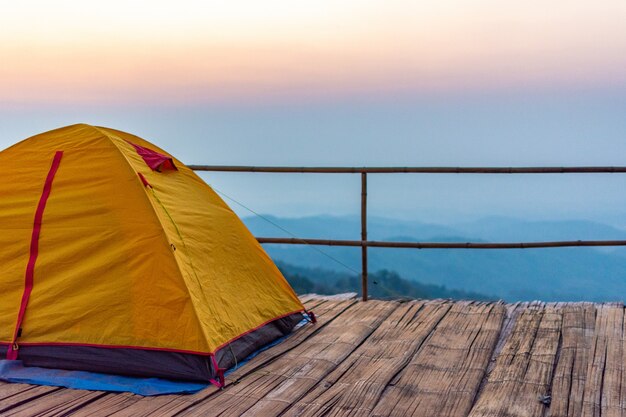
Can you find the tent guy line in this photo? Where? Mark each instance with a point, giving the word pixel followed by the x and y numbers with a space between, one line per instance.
pixel 295 237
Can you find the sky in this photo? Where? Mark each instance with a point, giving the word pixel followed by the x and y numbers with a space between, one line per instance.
pixel 352 82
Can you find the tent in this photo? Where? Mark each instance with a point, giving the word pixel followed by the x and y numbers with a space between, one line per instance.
pixel 116 257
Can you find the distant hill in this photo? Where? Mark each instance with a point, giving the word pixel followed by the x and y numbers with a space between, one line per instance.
pixel 502 228
pixel 557 274
pixel 331 227
pixel 382 284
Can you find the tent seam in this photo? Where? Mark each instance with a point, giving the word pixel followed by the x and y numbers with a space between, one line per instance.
pixel 164 232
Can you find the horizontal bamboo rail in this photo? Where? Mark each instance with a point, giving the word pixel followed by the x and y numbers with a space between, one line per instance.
pixel 364 243
pixel 414 170
pixel 440 245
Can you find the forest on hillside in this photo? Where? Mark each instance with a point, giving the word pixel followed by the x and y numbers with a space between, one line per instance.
pixel 554 274
pixel 383 284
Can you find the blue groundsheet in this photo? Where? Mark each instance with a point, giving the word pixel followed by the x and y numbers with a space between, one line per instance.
pixel 14 371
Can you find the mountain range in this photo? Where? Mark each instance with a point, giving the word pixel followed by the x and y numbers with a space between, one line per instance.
pixel 554 274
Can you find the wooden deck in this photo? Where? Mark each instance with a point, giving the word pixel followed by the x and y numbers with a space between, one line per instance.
pixel 387 358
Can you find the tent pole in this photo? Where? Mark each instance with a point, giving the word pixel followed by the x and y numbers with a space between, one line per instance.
pixel 364 235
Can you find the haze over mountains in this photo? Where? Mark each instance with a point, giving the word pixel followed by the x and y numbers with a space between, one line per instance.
pixel 555 274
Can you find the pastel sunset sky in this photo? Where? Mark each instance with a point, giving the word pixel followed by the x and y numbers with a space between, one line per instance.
pixel 126 51
pixel 342 82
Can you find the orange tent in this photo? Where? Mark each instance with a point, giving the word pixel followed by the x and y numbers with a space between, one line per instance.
pixel 118 258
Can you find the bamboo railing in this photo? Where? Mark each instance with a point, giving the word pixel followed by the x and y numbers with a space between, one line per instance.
pixel 364 171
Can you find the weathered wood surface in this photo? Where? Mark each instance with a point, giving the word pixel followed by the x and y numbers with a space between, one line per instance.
pixel 520 382
pixel 568 383
pixel 443 377
pixel 355 387
pixel 389 358
pixel 603 388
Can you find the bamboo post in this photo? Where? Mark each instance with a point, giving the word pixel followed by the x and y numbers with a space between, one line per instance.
pixel 364 235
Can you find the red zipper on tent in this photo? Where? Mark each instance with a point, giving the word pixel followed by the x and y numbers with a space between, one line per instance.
pixel 34 251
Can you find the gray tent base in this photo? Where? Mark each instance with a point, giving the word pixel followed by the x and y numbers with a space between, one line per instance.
pixel 154 363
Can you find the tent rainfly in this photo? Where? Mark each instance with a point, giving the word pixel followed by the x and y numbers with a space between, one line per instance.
pixel 133 265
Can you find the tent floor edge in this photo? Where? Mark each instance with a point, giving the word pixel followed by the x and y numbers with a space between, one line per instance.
pixel 233 353
pixel 151 363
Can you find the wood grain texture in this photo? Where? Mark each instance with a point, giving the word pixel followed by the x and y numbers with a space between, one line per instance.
pixel 603 387
pixel 443 377
pixel 389 358
pixel 355 387
pixel 523 371
pixel 568 384
pixel 57 403
pixel 24 394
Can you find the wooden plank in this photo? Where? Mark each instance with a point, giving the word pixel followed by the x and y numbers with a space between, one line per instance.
pixel 164 405
pixel 356 385
pixel 443 377
pixel 106 405
pixel 570 375
pixel 8 390
pixel 332 297
pixel 23 395
pixel 61 402
pixel 311 302
pixel 170 404
pixel 296 372
pixel 306 298
pixel 513 311
pixel 523 371
pixel 602 393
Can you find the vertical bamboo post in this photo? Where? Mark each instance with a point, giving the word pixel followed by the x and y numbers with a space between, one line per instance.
pixel 364 235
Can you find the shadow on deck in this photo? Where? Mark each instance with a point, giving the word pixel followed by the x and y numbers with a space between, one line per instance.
pixel 386 358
